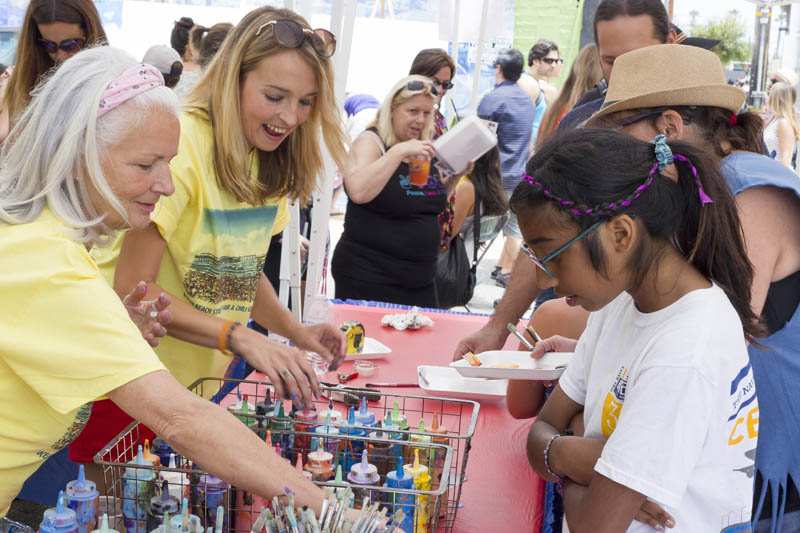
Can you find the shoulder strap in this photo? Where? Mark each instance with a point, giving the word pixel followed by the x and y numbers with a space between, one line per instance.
pixel 476 230
pixel 377 139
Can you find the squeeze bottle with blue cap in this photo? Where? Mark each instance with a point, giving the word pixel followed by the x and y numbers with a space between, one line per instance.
pixel 177 481
pixel 400 479
pixel 138 488
pixel 161 505
pixel 213 491
pixel 363 473
pixel 185 522
pixel 104 526
pixel 330 436
pixel 365 417
pixel 81 497
pixel 163 450
pixel 59 519
pixel 351 451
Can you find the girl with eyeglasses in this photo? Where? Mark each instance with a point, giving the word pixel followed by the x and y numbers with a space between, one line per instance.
pixel 251 135
pixel 646 236
pixel 52 31
pixel 391 236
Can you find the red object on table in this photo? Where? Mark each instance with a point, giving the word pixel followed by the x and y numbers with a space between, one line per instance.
pixel 501 491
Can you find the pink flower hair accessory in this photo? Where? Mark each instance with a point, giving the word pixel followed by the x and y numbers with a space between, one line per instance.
pixel 131 83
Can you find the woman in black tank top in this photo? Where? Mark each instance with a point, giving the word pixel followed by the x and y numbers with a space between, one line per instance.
pixel 391 235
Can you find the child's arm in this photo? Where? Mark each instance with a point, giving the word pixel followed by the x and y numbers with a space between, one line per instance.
pixel 587 508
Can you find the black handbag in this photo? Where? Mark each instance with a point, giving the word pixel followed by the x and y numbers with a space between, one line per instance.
pixel 455 277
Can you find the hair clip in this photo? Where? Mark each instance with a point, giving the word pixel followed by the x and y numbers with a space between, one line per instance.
pixel 733 120
pixel 663 152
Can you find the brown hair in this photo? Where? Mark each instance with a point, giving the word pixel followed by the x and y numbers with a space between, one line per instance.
pixel 430 61
pixel 584 74
pixel 32 62
pixel 211 41
pixel 179 38
pixel 612 9
pixel 292 168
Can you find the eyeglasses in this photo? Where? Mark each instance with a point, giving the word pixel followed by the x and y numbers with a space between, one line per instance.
pixel 290 34
pixel 445 85
pixel 541 263
pixel 419 85
pixel 70 46
pixel 553 61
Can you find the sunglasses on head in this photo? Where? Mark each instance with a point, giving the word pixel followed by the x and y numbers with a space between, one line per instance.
pixel 291 34
pixel 67 45
pixel 419 85
pixel 553 61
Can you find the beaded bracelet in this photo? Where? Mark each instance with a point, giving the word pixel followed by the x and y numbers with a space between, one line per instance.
pixel 547 456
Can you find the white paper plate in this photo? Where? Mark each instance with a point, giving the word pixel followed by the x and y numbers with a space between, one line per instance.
pixel 446 381
pixel 548 368
pixel 373 349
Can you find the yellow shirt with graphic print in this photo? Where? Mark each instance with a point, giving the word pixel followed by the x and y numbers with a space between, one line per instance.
pixel 65 341
pixel 216 247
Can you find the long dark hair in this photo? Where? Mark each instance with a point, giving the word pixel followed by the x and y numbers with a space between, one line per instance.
pixel 179 38
pixel 611 9
pixel 601 167
pixel 32 61
pixel 488 183
pixel 211 41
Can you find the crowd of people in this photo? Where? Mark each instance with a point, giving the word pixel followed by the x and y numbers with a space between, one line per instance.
pixel 652 217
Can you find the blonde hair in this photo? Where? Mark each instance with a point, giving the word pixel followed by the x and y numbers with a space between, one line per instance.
pixel 292 168
pixel 55 150
pixel 397 97
pixel 782 98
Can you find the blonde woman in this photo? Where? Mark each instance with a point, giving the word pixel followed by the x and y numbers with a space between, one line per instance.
pixel 90 156
pixel 782 130
pixel 391 235
pixel 249 142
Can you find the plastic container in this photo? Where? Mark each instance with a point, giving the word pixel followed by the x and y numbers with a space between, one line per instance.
pixel 466 141
pixel 59 519
pixel 365 369
pixel 81 495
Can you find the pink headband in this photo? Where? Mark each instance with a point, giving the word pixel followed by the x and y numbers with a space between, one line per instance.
pixel 134 81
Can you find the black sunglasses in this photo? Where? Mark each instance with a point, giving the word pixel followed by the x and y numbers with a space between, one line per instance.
pixel 419 85
pixel 291 34
pixel 553 61
pixel 68 45
pixel 445 85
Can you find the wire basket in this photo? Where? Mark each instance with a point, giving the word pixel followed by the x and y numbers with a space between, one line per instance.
pixel 445 453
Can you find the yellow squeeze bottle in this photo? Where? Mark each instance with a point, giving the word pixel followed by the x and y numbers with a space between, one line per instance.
pixel 422 481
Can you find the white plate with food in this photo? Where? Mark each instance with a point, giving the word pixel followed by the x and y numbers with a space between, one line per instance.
pixel 446 381
pixel 506 364
pixel 373 349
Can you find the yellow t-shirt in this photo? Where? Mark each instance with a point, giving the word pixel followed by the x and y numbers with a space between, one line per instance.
pixel 65 341
pixel 216 247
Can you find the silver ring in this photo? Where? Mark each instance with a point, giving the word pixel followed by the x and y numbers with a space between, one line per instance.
pixel 285 374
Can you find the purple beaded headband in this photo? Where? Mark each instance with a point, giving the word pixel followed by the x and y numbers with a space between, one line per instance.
pixel 664 156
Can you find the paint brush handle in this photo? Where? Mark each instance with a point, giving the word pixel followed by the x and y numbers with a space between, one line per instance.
pixel 511 329
pixel 395 385
pixel 533 333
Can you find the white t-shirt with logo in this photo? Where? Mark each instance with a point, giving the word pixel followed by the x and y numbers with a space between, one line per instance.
pixel 673 393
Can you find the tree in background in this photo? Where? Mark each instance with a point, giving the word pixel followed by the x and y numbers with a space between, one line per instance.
pixel 730 31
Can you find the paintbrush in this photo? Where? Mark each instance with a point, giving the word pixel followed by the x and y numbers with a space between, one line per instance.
pixel 511 329
pixel 532 333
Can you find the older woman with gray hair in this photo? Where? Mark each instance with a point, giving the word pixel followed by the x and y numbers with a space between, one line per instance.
pixel 90 155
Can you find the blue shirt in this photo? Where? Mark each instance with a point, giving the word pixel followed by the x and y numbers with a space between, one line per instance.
pixel 512 109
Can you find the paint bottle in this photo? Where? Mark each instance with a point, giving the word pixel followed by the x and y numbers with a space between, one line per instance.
pixel 267 407
pixel 399 421
pixel 104 526
pixel 163 450
pixel 363 474
pixel 334 415
pixel 305 420
pixel 195 501
pixel 353 446
pixel 395 450
pixel 177 484
pixel 282 428
pixel 219 521
pixel 81 497
pixel 242 409
pixel 302 471
pixel 166 525
pixel 186 522
pixel 415 439
pixel 365 417
pixel 381 452
pixel 213 492
pixel 320 462
pixel 437 458
pixel 422 481
pixel 138 488
pixel 330 436
pixel 149 455
pixel 341 485
pixel 162 505
pixel 59 519
pixel 399 479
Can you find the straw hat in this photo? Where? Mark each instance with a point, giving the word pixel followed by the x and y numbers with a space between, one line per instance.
pixel 669 75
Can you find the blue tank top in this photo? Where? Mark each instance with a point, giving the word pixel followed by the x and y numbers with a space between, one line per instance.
pixel 776 363
pixel 539 108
